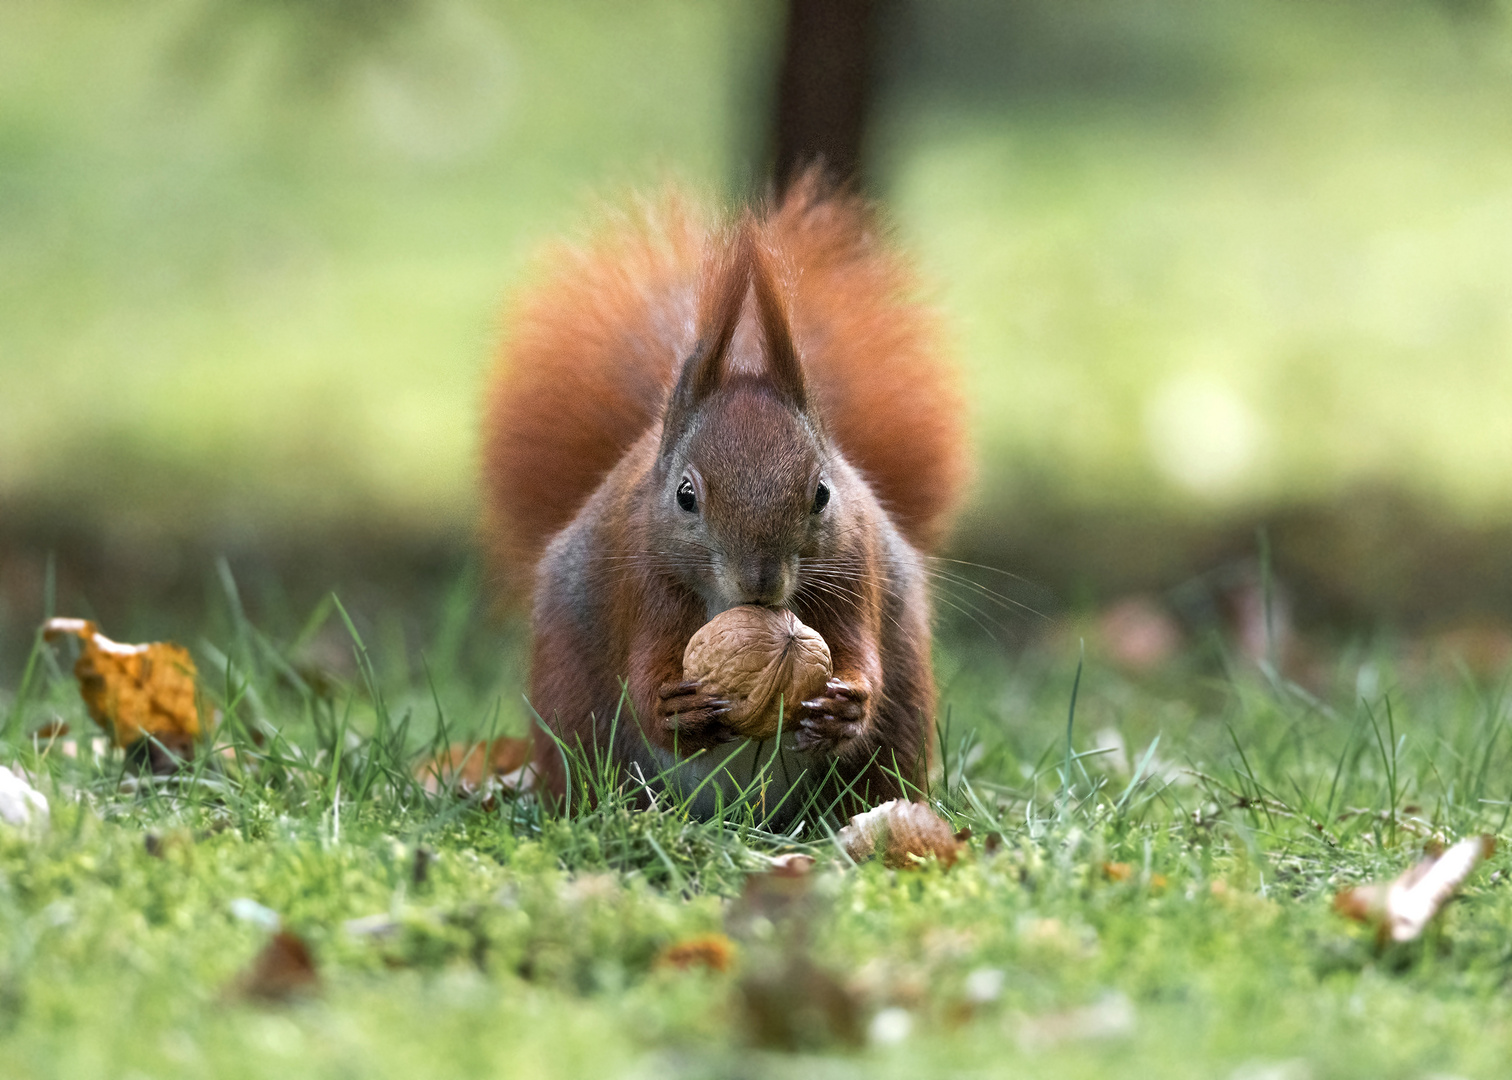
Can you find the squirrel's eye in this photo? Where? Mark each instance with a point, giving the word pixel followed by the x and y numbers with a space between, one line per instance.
pixel 685 497
pixel 821 496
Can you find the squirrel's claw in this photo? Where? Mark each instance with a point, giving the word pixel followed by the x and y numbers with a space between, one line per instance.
pixel 678 689
pixel 694 717
pixel 831 720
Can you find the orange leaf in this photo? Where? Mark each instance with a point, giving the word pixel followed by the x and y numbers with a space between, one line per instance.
pixel 134 690
pixel 469 767
pixel 713 951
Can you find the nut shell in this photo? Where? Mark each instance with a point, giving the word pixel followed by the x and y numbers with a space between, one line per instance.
pixel 903 833
pixel 754 657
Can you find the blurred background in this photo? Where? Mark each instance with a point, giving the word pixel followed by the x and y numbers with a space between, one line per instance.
pixel 1230 282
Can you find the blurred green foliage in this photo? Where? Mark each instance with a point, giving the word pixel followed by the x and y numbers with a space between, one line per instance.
pixel 1212 255
pixel 230 299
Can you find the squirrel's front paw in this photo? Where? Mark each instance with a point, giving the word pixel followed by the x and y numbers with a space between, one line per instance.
pixel 695 718
pixel 826 723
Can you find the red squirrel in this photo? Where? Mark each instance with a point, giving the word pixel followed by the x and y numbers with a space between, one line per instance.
pixel 688 417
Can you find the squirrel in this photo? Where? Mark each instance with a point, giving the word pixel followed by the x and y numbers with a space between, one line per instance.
pixel 688 417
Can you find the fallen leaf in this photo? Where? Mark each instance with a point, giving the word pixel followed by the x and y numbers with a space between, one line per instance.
pixel 282 970
pixel 778 898
pixel 473 767
pixel 713 951
pixel 903 833
pixel 1117 871
pixel 133 691
pixel 21 805
pixel 792 864
pixel 798 1005
pixel 1402 909
pixel 53 729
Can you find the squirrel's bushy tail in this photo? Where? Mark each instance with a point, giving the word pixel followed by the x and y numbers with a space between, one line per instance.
pixel 595 346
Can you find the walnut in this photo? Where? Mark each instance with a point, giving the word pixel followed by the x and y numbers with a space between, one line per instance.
pixel 754 657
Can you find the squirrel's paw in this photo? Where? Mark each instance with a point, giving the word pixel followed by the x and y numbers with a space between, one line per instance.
pixel 694 717
pixel 826 723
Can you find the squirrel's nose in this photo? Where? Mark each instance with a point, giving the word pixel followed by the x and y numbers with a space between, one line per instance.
pixel 762 581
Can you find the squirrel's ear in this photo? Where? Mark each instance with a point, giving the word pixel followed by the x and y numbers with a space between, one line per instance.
pixel 783 365
pixel 727 279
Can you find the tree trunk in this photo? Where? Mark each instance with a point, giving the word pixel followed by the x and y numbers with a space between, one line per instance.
pixel 824 89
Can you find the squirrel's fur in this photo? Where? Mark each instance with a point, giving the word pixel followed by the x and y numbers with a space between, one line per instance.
pixel 668 404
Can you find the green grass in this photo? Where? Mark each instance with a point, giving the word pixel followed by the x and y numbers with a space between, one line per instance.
pixel 530 945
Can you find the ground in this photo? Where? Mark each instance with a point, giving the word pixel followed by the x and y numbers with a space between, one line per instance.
pixel 1153 897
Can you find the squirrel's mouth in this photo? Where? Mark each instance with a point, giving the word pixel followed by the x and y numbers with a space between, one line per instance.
pixel 780 595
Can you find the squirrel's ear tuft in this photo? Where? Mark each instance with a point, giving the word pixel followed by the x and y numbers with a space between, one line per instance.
pixel 722 292
pixel 727 280
pixel 782 363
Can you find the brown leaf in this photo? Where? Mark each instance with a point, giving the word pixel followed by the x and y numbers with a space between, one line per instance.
pixel 779 898
pixel 284 969
pixel 471 767
pixel 798 1005
pixel 133 691
pixel 1117 871
pixel 1401 910
pixel 713 951
pixel 792 864
pixel 53 729
pixel 905 834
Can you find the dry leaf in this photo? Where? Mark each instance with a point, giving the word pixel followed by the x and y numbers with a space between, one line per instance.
pixel 754 657
pixel 779 898
pixel 798 1005
pixel 21 805
pixel 472 767
pixel 1401 910
pixel 1117 871
pixel 903 833
pixel 792 864
pixel 713 951
pixel 282 970
pixel 134 690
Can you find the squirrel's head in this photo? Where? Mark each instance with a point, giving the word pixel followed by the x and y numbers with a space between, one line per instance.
pixel 744 478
